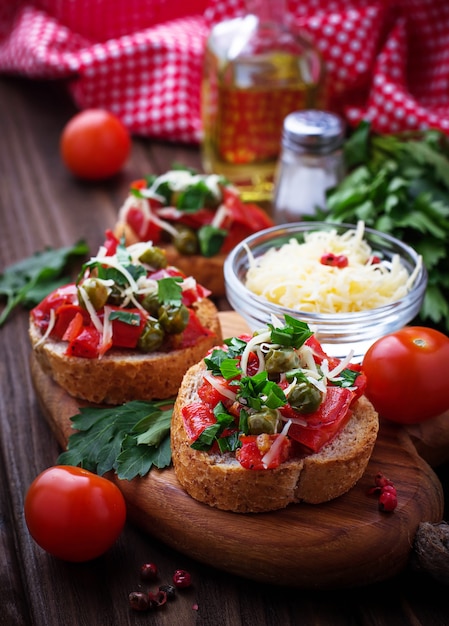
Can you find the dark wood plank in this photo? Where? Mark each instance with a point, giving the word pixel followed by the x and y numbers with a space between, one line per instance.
pixel 41 204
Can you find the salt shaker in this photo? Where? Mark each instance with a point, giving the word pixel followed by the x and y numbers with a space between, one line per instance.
pixel 311 162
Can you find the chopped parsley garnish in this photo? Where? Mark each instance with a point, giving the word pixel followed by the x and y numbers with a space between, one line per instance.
pixel 294 334
pixel 213 432
pixel 218 357
pixel 169 290
pixel 127 317
pixel 257 391
pixel 211 239
pixel 346 378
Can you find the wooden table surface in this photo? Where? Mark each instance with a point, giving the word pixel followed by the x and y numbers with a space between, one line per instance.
pixel 42 205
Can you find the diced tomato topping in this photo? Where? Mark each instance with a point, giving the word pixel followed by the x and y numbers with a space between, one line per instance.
pixel 209 394
pixel 253 364
pixel 245 219
pixel 195 220
pixel 250 455
pixel 64 295
pixel 189 296
pixel 193 331
pixel 165 272
pixel 146 230
pixel 86 344
pixel 323 424
pixel 74 327
pixel 360 381
pixel 197 416
pixel 110 243
pixel 65 315
pixel 318 353
pixel 125 335
pixel 140 183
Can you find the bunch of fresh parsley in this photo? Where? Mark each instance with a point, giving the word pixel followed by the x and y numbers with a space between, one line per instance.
pixel 129 439
pixel 399 185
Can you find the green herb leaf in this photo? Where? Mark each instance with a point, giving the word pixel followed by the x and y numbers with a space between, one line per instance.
pixel 27 282
pixel 211 239
pixel 229 368
pixel 127 317
pixel 169 290
pixel 137 460
pixel 294 333
pixel 346 378
pixel 399 184
pixel 127 439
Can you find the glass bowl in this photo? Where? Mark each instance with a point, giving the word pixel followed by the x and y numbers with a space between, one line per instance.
pixel 339 333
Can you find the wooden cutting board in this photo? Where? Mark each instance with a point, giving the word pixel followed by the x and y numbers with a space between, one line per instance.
pixel 345 542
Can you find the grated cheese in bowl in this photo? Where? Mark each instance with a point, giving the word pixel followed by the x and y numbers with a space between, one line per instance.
pixel 294 276
pixel 295 269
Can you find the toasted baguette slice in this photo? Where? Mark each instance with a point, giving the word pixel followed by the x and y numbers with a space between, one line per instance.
pixel 220 481
pixel 208 271
pixel 123 375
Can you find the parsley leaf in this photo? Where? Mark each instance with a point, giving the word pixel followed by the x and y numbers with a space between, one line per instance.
pixel 127 439
pixel 169 290
pixel 399 185
pixel 27 282
pixel 293 334
pixel 211 239
pixel 257 391
pixel 127 317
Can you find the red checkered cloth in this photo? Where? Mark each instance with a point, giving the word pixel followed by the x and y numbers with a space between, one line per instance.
pixel 387 60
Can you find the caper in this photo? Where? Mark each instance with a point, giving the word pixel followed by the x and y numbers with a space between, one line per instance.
pixel 173 318
pixel 265 421
pixel 305 397
pixel 152 336
pixel 279 360
pixel 96 291
pixel 186 241
pixel 151 302
pixel 154 257
pixel 115 296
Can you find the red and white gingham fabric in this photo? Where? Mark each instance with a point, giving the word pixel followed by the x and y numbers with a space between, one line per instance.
pixel 387 60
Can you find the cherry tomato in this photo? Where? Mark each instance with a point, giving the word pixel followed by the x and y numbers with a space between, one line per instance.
pixel 407 374
pixel 74 514
pixel 94 144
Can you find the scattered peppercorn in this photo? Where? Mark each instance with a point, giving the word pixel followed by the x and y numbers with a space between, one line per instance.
pixel 385 489
pixel 182 579
pixel 334 260
pixel 158 599
pixel 170 591
pixel 145 601
pixel 139 601
pixel 149 571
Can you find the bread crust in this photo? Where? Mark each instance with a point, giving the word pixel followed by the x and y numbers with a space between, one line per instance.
pixel 124 375
pixel 220 481
pixel 208 271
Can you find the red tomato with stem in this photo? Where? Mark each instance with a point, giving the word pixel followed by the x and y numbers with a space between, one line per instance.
pixel 95 144
pixel 73 513
pixel 407 374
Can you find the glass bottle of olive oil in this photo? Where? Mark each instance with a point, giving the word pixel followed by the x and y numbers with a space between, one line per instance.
pixel 256 72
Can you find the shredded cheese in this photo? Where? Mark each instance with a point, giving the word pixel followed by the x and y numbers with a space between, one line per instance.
pixel 294 277
pixel 277 443
pixel 51 325
pixel 224 391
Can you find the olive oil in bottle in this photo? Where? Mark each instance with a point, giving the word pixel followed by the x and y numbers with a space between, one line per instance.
pixel 256 72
